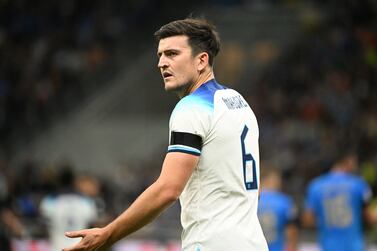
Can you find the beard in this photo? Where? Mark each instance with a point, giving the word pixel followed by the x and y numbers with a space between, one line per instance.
pixel 181 90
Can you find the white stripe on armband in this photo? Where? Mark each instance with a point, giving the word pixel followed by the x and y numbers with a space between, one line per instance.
pixel 185 149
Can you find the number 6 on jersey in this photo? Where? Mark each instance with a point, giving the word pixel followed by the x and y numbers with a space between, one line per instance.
pixel 249 166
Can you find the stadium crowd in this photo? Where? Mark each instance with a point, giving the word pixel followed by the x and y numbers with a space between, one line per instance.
pixel 320 96
pixel 53 55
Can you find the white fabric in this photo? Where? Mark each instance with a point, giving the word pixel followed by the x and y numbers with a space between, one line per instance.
pixel 218 212
pixel 67 212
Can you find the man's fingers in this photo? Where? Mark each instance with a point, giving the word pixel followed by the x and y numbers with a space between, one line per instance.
pixel 76 247
pixel 75 234
pixel 88 241
pixel 69 249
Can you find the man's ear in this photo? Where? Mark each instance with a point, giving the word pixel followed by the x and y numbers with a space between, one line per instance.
pixel 203 58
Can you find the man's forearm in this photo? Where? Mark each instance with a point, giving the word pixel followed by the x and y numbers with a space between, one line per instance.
pixel 291 233
pixel 145 208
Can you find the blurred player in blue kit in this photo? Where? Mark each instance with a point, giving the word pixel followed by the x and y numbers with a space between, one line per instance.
pixel 337 203
pixel 277 212
pixel 212 162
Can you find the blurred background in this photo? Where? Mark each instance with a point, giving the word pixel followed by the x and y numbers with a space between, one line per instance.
pixel 80 88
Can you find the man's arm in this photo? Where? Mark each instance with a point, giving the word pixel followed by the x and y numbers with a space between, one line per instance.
pixel 176 171
pixel 308 218
pixel 8 217
pixel 370 214
pixel 291 233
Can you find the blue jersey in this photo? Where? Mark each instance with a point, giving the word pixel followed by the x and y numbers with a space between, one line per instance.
pixel 337 200
pixel 275 211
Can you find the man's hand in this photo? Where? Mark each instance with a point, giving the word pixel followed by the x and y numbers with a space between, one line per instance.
pixel 94 239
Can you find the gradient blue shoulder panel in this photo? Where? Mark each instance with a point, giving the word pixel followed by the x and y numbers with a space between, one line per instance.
pixel 202 97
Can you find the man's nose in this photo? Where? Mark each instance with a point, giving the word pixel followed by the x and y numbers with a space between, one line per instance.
pixel 162 62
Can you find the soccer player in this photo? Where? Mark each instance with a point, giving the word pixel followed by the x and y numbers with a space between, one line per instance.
pixel 212 162
pixel 277 212
pixel 336 202
pixel 66 210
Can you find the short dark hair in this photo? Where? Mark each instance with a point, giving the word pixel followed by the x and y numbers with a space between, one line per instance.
pixel 343 155
pixel 66 176
pixel 202 35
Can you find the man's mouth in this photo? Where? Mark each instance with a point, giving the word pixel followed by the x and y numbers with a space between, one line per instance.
pixel 166 75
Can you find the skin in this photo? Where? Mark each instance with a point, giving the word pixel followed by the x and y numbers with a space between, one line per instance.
pixel 8 217
pixel 181 71
pixel 186 73
pixel 291 233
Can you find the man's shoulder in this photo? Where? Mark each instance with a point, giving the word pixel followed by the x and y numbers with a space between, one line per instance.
pixel 193 103
pixel 284 198
pixel 204 94
pixel 318 182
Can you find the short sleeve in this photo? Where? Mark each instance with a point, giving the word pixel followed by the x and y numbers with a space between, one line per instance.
pixel 189 126
pixel 291 212
pixel 310 203
pixel 92 212
pixel 47 206
pixel 365 190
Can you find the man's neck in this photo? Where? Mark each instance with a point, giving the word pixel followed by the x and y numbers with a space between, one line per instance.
pixel 203 78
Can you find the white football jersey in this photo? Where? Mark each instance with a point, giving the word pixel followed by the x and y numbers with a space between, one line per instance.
pixel 67 212
pixel 219 203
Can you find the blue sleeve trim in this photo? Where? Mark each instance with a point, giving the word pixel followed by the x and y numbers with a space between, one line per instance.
pixel 184 149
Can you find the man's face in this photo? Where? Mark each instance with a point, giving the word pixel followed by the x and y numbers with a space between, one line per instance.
pixel 177 64
pixel 351 163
